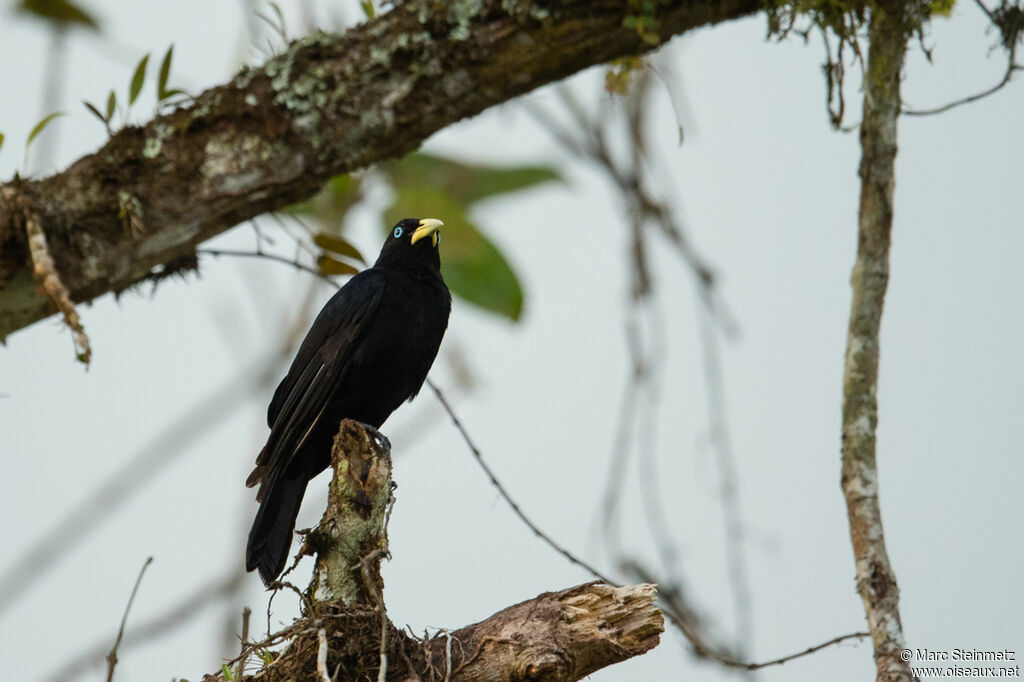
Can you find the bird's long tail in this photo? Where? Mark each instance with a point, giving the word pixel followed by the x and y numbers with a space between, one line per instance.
pixel 271 534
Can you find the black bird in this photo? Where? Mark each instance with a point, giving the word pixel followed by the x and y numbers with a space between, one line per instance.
pixel 368 350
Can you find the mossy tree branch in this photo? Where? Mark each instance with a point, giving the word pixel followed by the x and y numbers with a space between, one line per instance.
pixel 275 133
pixel 890 27
pixel 352 536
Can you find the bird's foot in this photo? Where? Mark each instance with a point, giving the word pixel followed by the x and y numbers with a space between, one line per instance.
pixel 381 439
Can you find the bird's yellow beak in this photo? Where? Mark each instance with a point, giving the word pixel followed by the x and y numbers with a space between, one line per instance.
pixel 427 226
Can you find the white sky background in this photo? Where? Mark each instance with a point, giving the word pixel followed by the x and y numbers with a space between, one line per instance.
pixel 769 195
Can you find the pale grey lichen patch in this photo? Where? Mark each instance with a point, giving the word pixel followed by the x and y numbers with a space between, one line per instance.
pixel 894 631
pixel 92 265
pixel 463 11
pixel 152 147
pixel 243 79
pixel 303 93
pixel 322 591
pixel 864 483
pixel 252 100
pixel 403 41
pixel 159 241
pixel 380 55
pixel 532 9
pixel 232 163
pixel 861 428
pixel 309 125
pixel 203 108
pixel 400 90
pixel 856 347
pixel 240 183
pixel 310 88
pixel 280 72
pixel 460 14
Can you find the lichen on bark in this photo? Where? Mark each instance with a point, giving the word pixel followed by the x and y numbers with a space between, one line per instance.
pixel 275 133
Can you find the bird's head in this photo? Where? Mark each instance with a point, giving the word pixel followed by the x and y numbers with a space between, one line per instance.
pixel 413 239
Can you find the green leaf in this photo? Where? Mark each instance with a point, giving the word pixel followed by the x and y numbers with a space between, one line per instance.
pixel 60 12
pixel 466 183
pixel 138 78
pixel 40 126
pixel 339 245
pixel 329 265
pixel 280 19
pixel 172 92
pixel 1 140
pixel 368 9
pixel 94 111
pixel 472 265
pixel 111 105
pixel 277 25
pixel 162 92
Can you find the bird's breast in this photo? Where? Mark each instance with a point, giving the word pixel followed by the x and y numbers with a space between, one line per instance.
pixel 396 353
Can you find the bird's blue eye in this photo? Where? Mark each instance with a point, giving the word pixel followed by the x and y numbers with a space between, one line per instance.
pixel 398 232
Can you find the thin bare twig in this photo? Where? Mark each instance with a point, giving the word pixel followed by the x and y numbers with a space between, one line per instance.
pixel 728 474
pixel 163 449
pixel 685 620
pixel 112 656
pixel 295 263
pixel 180 614
pixel 171 442
pixel 1011 68
pixel 321 656
pixel 45 271
pixel 365 567
pixel 508 498
pixel 246 613
pixel 806 652
pixel 1011 35
pixel 447 656
pixel 644 210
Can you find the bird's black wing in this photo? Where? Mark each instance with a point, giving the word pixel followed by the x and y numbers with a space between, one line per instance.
pixel 318 370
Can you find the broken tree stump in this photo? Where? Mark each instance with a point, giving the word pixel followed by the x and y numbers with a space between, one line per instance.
pixel 352 536
pixel 344 632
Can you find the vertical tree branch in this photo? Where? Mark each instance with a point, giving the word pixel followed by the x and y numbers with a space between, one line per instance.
pixel 876 582
pixel 351 538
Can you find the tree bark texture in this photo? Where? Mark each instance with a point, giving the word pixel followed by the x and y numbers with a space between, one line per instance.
pixel 345 634
pixel 559 636
pixel 274 134
pixel 352 536
pixel 876 581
